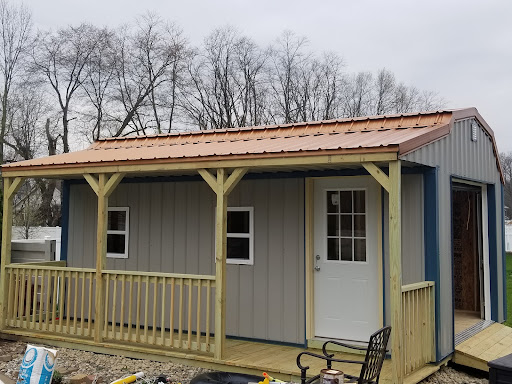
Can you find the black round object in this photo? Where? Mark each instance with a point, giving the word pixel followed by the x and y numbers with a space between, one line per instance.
pixel 225 378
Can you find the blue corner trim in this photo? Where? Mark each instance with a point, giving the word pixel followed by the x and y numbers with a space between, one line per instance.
pixel 431 234
pixel 305 264
pixel 64 220
pixel 493 250
pixel 503 255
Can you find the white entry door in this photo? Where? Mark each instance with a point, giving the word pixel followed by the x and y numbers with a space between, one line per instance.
pixel 345 253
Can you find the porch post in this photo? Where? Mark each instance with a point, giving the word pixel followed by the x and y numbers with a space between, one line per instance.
pixel 103 187
pixel 222 186
pixel 11 186
pixel 395 260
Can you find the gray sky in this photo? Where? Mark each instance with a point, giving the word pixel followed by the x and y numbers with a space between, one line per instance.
pixel 461 49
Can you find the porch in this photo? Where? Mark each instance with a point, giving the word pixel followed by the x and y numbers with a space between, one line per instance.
pixel 54 303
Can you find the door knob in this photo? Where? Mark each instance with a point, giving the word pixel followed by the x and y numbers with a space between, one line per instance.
pixel 317 267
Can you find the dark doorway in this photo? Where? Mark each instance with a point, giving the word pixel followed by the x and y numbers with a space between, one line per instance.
pixel 468 291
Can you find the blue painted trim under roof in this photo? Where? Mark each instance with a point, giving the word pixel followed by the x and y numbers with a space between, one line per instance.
pixel 64 220
pixel 431 234
pixel 493 250
pixel 503 255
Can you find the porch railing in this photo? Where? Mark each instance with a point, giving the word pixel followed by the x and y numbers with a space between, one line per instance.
pixel 153 309
pixel 418 325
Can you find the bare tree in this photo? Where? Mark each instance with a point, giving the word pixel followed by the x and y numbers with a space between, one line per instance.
pixel 15 32
pixel 62 59
pixel 506 165
pixel 145 60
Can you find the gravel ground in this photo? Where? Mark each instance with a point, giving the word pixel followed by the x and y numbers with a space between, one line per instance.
pixel 109 368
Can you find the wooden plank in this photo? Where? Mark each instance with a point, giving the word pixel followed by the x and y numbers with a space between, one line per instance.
pixel 114 307
pixel 189 314
pixel 89 305
pixel 159 274
pixel 68 301
pixel 61 299
pixel 11 190
pixel 82 305
pixel 146 310
pixel 75 303
pixel 208 316
pixel 209 178
pixel 220 266
pixel 28 300
pixel 416 286
pixel 137 321
pixel 155 301
pixel 121 319
pixel 198 313
pixel 233 180
pixel 171 314
pixel 34 304
pixel 54 300
pixel 112 183
pixel 380 257
pixel 170 165
pixel 93 182
pixel 162 306
pixel 180 316
pixel 130 301
pixel 10 274
pixel 101 257
pixel 378 175
pixel 395 260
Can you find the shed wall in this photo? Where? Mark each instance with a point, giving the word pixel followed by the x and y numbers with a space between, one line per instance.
pixel 457 155
pixel 265 300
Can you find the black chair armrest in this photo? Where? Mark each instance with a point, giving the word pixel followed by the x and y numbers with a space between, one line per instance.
pixel 324 350
pixel 327 358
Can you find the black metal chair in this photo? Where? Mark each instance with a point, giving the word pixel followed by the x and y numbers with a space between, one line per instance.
pixel 370 366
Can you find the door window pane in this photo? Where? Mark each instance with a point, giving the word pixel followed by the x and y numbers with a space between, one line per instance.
pixel 360 249
pixel 333 249
pixel 116 243
pixel 333 227
pixel 117 220
pixel 333 201
pixel 238 248
pixel 359 225
pixel 359 202
pixel 346 249
pixel 346 225
pixel 238 221
pixel 346 201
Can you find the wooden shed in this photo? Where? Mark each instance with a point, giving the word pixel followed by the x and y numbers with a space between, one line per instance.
pixel 179 245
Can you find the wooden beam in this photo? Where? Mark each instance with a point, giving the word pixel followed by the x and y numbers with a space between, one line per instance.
pixel 220 265
pixel 101 258
pixel 233 180
pixel 181 165
pixel 377 174
pixel 395 262
pixel 112 183
pixel 14 187
pixel 93 182
pixel 209 178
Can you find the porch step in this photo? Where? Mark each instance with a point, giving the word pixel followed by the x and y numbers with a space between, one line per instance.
pixel 492 342
pixel 421 374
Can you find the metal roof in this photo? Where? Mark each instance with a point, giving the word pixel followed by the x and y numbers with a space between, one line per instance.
pixel 393 133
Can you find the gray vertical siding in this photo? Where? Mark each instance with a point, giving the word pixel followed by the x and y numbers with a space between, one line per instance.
pixel 265 300
pixel 457 155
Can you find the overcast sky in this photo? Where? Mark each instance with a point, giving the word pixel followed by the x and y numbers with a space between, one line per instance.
pixel 461 49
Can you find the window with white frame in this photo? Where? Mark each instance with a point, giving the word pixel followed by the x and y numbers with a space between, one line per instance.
pixel 117 232
pixel 240 235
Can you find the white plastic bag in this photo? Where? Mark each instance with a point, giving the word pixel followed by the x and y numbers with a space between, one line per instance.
pixel 37 366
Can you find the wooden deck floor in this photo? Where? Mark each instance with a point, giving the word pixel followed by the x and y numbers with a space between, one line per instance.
pixel 241 356
pixel 489 344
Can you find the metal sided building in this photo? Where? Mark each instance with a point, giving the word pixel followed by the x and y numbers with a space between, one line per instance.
pixel 176 244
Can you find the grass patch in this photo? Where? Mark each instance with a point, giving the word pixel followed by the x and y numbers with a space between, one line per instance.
pixel 509 290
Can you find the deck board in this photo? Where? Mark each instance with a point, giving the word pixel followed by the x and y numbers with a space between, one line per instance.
pixel 491 343
pixel 241 356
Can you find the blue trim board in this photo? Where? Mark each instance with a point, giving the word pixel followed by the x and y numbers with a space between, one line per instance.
pixel 503 255
pixel 451 263
pixel 431 234
pixel 493 250
pixel 64 220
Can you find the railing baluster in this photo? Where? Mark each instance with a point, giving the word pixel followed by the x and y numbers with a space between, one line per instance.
pixel 121 317
pixel 54 302
pixel 46 276
pixel 180 314
pixel 10 301
pixel 208 299
pixel 146 309
pixel 130 301
pixel 21 308
pixel 75 304
pixel 68 301
pixel 198 316
pixel 189 315
pixel 89 304
pixel 162 319
pixel 82 304
pixel 137 329
pixel 171 314
pixel 114 307
pixel 61 298
pixel 28 299
pixel 106 277
pixel 34 302
pixel 155 301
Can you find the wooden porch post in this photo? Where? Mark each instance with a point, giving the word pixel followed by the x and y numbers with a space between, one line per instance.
pixel 222 186
pixel 103 187
pixel 11 186
pixel 395 261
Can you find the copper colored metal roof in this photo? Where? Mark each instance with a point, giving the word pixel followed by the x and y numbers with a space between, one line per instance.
pixel 397 133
